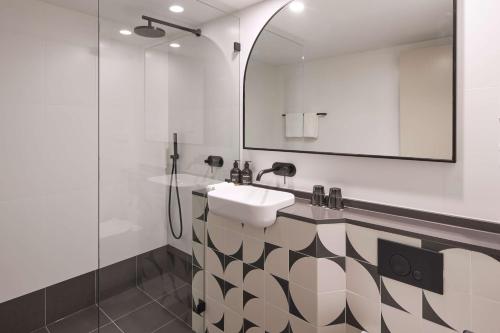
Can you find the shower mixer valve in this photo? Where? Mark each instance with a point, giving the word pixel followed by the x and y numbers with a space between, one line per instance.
pixel 214 161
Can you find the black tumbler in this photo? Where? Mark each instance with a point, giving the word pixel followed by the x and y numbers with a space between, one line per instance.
pixel 318 196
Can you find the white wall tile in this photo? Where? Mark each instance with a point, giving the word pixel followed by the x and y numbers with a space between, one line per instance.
pixel 485 276
pixel 452 307
pixel 457 265
pixel 48 126
pixel 366 312
pixel 332 236
pixel 360 281
pixel 484 315
pixel 400 321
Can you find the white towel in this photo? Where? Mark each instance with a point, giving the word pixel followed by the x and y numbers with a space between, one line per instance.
pixel 294 125
pixel 311 125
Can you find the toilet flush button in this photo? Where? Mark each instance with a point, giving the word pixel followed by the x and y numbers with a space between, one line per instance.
pixel 400 265
pixel 417 275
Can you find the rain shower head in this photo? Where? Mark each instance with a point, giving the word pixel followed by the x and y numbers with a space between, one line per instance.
pixel 149 31
pixel 154 32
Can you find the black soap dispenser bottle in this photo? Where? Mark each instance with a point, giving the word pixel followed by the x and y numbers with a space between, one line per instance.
pixel 235 174
pixel 246 174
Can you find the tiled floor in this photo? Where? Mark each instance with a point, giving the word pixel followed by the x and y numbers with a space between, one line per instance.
pixel 158 305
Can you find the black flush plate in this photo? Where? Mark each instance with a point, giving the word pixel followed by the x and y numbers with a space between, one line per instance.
pixel 415 266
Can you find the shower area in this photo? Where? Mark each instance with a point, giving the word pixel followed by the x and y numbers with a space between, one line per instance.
pixel 112 113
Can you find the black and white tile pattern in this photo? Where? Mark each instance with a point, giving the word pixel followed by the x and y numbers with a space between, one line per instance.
pixel 300 277
pixel 469 290
pixel 289 275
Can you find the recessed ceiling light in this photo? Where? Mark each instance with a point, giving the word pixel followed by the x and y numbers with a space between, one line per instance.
pixel 126 32
pixel 175 45
pixel 297 7
pixel 176 9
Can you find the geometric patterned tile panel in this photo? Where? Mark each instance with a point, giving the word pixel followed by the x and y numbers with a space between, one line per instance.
pixel 248 274
pixel 298 277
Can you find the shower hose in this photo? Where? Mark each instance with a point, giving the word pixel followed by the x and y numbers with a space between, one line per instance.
pixel 173 175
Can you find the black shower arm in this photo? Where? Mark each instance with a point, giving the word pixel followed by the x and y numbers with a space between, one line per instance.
pixel 196 32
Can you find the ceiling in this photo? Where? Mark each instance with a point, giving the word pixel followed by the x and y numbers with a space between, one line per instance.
pixel 196 11
pixel 332 27
pixel 126 14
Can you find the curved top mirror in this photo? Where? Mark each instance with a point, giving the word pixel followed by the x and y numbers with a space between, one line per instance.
pixel 355 77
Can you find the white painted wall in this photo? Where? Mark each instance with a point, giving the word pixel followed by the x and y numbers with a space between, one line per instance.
pixel 471 187
pixel 48 145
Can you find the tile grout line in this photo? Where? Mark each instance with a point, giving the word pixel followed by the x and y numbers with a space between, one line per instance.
pixel 132 311
pixel 163 307
pixel 70 315
pixel 155 301
pixel 45 306
pixel 168 323
pixel 172 313
pixel 112 322
pixel 152 300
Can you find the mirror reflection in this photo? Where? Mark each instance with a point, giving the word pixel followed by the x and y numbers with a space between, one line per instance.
pixel 354 77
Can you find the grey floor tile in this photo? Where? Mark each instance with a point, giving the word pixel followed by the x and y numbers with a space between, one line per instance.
pixel 81 322
pixel 186 317
pixel 41 330
pixel 175 326
pixel 161 285
pixel 145 320
pixel 110 328
pixel 126 302
pixel 178 301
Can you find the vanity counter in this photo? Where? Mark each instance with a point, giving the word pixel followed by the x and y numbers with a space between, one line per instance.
pixel 465 237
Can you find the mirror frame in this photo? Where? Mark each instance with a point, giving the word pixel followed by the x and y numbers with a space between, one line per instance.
pixel 454 102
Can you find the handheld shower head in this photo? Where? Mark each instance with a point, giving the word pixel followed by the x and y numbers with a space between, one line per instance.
pixel 176 154
pixel 173 178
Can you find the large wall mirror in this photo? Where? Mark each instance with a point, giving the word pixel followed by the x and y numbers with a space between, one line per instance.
pixel 355 77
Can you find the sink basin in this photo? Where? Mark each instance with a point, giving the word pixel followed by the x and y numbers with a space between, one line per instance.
pixel 249 204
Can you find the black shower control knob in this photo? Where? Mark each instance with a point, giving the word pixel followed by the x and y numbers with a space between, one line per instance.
pixel 215 161
pixel 400 265
pixel 417 275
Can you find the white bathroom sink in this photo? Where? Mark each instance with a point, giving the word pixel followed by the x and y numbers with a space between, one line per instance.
pixel 249 204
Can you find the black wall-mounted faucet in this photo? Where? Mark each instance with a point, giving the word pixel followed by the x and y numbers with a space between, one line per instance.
pixel 280 169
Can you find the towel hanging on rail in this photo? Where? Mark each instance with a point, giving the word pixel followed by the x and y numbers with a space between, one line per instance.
pixel 294 125
pixel 311 125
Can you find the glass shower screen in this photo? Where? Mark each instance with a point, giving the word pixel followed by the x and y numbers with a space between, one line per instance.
pixel 165 105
